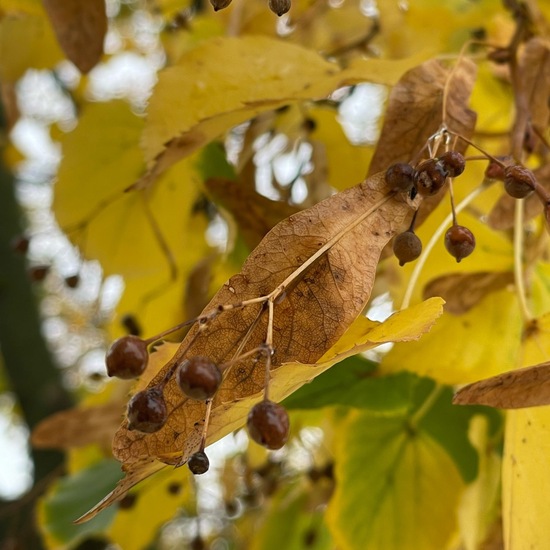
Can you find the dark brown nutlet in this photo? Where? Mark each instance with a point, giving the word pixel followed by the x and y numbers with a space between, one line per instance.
pixel 407 247
pixel 519 182
pixel 430 177
pixel 127 357
pixel 280 7
pixel 400 176
pixel 147 410
pixel 198 378
pixel 453 163
pixel 268 424
pixel 220 4
pixel 459 242
pixel 198 463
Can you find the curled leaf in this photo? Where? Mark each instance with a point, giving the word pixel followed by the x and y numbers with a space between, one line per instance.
pixel 463 291
pixel 527 387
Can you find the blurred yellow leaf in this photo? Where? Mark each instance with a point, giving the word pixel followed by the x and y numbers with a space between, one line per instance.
pixel 26 41
pixel 465 348
pixel 149 237
pixel 346 163
pixel 525 474
pixel 153 503
pixel 186 113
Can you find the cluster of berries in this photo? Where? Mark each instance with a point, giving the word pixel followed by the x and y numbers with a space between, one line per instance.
pixel 198 378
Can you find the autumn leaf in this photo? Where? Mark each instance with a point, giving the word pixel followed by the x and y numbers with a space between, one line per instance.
pixel 80 28
pixel 463 291
pixel 425 97
pixel 201 109
pixel 527 387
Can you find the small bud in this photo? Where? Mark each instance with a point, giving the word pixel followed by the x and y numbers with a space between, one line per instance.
pixel 280 7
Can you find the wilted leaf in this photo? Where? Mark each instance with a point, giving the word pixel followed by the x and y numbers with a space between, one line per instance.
pixel 533 81
pixel 396 488
pixel 317 309
pixel 79 426
pixel 415 110
pixel 408 324
pixel 185 114
pixel 520 388
pixel 254 214
pixel 463 291
pixel 80 28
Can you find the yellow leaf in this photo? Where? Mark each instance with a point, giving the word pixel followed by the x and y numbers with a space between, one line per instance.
pixel 186 113
pixel 526 479
pixel 26 42
pixel 156 501
pixel 346 163
pixel 479 505
pixel 149 237
pixel 525 473
pixel 465 348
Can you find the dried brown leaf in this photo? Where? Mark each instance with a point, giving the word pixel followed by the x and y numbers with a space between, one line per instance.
pixel 415 110
pixel 463 291
pixel 80 28
pixel 501 216
pixel 528 387
pixel 255 214
pixel 79 426
pixel 317 308
pixel 532 91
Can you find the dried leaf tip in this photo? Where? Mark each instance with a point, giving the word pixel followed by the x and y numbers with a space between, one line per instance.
pixel 220 4
pixel 280 7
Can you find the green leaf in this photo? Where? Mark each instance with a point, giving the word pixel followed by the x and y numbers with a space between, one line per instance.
pixel 71 497
pixel 455 441
pixel 353 383
pixel 396 487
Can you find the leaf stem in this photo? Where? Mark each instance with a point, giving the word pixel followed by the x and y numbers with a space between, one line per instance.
pixel 431 243
pixel 518 262
pixel 428 403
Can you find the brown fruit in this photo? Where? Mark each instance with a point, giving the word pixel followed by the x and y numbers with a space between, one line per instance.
pixel 453 163
pixel 519 181
pixel 430 177
pixel 407 247
pixel 147 411
pixel 198 378
pixel 38 273
pixel 459 242
pixel 280 7
pixel 268 424
pixel 220 4
pixel 127 357
pixel 198 463
pixel 400 176
pixel 72 281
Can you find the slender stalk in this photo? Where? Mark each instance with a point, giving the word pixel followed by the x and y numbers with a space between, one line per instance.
pixel 429 402
pixel 431 243
pixel 518 261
